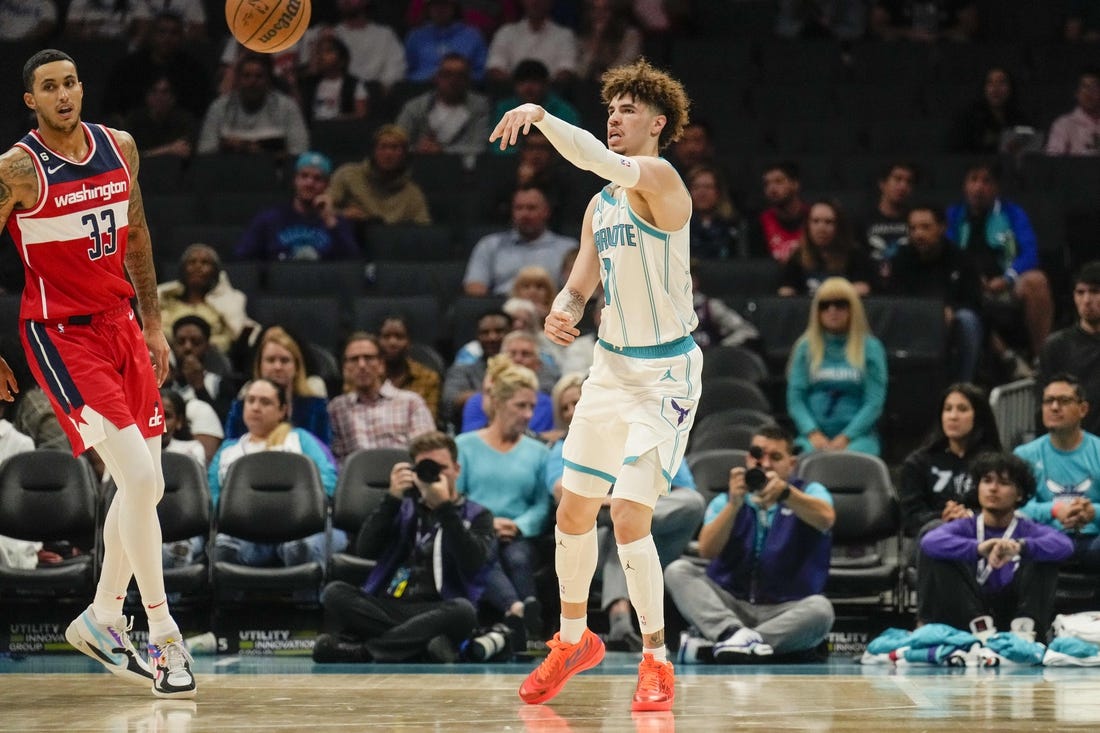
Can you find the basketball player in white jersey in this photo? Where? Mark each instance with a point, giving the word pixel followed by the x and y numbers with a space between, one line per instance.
pixel 631 425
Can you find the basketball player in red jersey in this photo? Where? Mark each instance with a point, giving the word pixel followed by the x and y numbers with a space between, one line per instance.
pixel 70 199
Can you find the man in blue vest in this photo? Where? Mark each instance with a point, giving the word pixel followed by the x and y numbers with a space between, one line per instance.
pixel 768 543
pixel 434 551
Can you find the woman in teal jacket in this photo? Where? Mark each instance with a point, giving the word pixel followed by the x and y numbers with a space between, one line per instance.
pixel 836 379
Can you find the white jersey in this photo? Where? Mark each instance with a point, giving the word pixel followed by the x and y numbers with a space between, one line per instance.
pixel 646 275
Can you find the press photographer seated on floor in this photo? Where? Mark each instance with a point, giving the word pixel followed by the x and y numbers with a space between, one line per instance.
pixel 434 550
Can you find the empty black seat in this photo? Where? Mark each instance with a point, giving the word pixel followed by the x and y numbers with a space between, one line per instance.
pixel 49 496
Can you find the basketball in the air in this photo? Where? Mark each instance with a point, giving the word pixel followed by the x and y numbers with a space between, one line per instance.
pixel 267 26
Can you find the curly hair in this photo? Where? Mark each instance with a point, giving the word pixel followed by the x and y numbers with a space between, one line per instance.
pixel 1006 466
pixel 656 88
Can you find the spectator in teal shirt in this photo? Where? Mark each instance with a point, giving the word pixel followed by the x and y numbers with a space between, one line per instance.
pixel 504 470
pixel 836 379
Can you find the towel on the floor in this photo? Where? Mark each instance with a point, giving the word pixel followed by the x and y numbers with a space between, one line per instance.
pixel 1015 649
pixel 937 644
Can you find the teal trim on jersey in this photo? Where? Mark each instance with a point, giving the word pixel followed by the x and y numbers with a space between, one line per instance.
pixel 590 471
pixel 660 237
pixel 652 303
pixel 668 256
pixel 605 194
pixel 658 351
pixel 646 226
pixel 668 479
pixel 687 370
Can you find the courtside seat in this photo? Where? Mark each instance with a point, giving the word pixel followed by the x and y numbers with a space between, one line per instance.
pixel 865 559
pixel 49 496
pixel 363 484
pixel 270 497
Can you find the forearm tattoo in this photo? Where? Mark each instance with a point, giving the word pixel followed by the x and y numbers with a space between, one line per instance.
pixel 570 301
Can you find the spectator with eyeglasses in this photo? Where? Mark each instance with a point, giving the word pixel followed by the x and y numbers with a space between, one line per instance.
pixel 1066 464
pixel 372 413
pixel 836 378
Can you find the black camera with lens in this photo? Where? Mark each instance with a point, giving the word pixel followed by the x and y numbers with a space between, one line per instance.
pixel 428 471
pixel 755 478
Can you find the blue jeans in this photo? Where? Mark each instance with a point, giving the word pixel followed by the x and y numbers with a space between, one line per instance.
pixel 513 577
pixel 184 552
pixel 295 552
pixel 966 338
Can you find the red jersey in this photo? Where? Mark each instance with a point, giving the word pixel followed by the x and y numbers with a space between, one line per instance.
pixel 73 240
pixel 782 240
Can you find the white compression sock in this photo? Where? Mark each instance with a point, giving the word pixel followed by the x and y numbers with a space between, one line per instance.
pixel 645 582
pixel 575 562
pixel 132 539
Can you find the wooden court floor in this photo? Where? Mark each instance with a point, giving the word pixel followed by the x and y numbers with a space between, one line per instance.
pixel 71 694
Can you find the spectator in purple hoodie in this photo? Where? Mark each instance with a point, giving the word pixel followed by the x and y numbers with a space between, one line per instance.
pixel 996 562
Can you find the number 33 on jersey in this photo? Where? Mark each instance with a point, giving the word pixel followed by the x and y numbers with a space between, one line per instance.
pixel 90 196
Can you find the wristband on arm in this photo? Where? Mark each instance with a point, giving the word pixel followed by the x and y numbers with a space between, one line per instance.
pixel 582 149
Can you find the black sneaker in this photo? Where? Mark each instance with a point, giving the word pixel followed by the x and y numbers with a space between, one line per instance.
pixel 330 649
pixel 518 632
pixel 532 618
pixel 441 650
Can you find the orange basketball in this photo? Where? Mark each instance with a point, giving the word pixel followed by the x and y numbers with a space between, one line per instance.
pixel 267 26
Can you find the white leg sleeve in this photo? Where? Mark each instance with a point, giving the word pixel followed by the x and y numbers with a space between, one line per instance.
pixel 582 149
pixel 575 562
pixel 132 540
pixel 645 583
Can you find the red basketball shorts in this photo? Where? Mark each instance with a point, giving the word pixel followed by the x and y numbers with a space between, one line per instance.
pixel 95 370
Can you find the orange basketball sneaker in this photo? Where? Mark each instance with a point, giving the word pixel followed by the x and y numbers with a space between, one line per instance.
pixel 656 685
pixel 564 661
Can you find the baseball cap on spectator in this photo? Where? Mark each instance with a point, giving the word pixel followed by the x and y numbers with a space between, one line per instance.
pixel 313 159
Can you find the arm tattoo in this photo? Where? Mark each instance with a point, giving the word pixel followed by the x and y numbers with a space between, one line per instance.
pixel 570 301
pixel 139 249
pixel 16 172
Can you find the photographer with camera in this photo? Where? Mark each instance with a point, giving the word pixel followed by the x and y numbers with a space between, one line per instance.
pixel 434 553
pixel 768 543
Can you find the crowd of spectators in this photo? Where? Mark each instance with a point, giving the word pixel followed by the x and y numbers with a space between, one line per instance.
pixel 431 82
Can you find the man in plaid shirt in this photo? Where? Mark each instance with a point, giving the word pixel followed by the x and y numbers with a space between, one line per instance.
pixel 372 413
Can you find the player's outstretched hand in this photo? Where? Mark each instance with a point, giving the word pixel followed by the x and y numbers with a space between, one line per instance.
pixel 559 328
pixel 514 122
pixel 158 352
pixel 8 386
